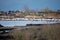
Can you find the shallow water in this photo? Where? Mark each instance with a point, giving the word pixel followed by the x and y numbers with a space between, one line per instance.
pixel 23 23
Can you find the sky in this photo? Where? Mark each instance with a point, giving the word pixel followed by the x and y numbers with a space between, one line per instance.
pixel 7 5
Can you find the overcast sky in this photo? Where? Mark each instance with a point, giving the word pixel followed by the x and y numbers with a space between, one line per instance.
pixel 6 5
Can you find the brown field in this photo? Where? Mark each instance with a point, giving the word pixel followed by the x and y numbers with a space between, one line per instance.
pixel 42 32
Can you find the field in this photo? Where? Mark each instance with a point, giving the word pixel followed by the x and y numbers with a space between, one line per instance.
pixel 42 32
